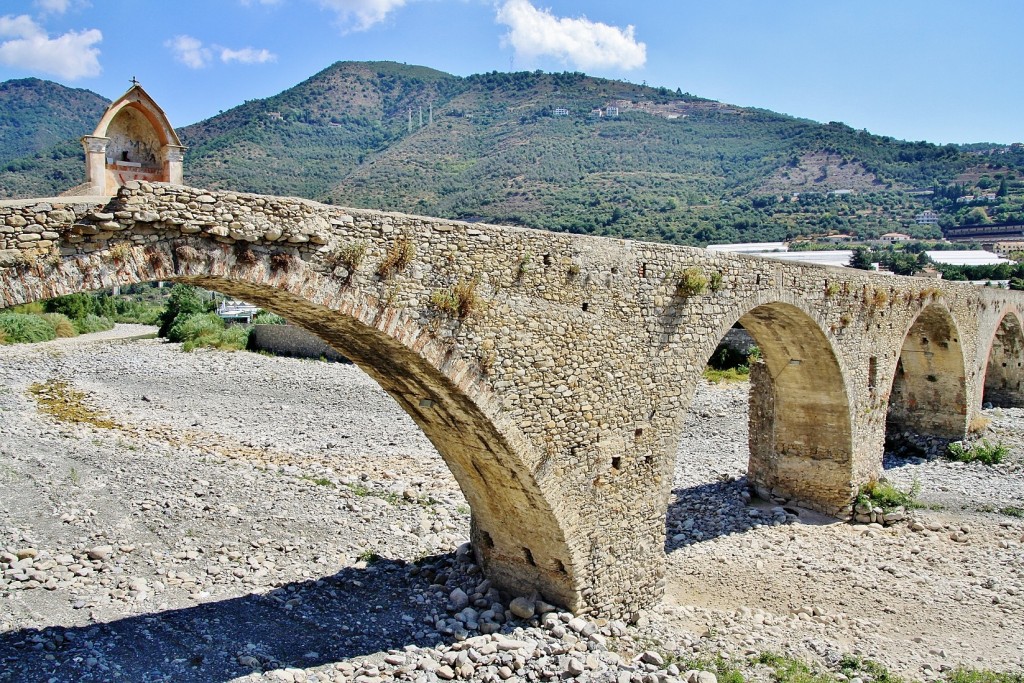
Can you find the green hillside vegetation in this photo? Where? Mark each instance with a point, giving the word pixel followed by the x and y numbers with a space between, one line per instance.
pixel 669 167
pixel 40 124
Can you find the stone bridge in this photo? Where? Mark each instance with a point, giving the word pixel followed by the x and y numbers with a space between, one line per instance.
pixel 553 372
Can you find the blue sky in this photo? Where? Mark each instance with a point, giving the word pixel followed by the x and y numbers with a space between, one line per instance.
pixel 933 70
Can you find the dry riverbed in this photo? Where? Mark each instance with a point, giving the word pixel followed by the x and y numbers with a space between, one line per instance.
pixel 229 516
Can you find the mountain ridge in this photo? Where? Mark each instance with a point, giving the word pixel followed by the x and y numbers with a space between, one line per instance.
pixel 564 152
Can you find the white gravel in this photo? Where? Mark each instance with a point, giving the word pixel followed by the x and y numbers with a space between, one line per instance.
pixel 222 531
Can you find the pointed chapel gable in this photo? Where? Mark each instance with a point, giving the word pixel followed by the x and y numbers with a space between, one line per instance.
pixel 133 141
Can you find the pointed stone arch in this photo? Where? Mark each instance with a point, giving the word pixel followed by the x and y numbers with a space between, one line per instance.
pixel 1004 369
pixel 518 515
pixel 801 433
pixel 928 399
pixel 133 141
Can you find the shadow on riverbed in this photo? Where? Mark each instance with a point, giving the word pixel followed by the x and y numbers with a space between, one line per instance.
pixel 304 624
pixel 706 511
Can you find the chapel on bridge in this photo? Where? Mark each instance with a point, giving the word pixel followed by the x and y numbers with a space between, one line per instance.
pixel 133 141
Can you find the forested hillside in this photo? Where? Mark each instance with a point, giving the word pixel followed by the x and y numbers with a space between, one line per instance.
pixel 40 124
pixel 572 152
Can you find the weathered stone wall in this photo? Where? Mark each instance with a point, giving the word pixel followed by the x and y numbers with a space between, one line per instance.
pixel 289 340
pixel 551 371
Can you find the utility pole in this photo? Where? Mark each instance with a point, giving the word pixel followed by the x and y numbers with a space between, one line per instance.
pixel 410 119
pixel 430 121
pixel 421 117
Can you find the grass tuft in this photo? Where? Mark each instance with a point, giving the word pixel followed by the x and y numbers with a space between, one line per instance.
pixel 983 452
pixel 398 258
pixel 61 324
pixel 885 495
pixel 460 300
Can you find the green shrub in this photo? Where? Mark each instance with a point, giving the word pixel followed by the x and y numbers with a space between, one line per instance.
pixel 93 323
pixel 20 328
pixel 207 330
pixel 268 318
pixel 34 307
pixel 984 452
pixel 3 337
pixel 191 327
pixel 183 302
pixel 61 325
pixel 74 306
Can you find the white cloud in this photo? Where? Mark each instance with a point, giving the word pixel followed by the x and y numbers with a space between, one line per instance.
pixel 53 6
pixel 586 44
pixel 247 55
pixel 71 55
pixel 195 55
pixel 190 51
pixel 359 15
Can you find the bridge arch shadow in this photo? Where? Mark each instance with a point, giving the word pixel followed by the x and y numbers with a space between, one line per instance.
pixel 516 536
pixel 352 613
pixel 928 396
pixel 799 444
pixel 1004 368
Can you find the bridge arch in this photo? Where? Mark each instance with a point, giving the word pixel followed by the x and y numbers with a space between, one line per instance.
pixel 801 432
pixel 928 398
pixel 1003 368
pixel 518 519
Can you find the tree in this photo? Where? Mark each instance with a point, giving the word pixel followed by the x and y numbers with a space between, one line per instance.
pixel 1001 192
pixel 184 301
pixel 861 259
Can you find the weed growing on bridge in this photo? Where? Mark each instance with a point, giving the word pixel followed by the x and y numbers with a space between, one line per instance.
pixel 524 266
pixel 984 452
pixel 155 258
pixel 879 298
pixel 1012 511
pixel 187 253
pixel 281 262
pixel 460 300
pixel 715 281
pixel 120 252
pixel 245 255
pixel 398 258
pixel 574 271
pixel 831 289
pixel 350 257
pixel 691 282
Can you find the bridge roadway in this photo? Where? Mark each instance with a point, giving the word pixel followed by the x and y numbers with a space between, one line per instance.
pixel 553 371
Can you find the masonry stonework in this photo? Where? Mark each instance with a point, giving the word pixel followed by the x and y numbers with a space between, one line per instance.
pixel 553 371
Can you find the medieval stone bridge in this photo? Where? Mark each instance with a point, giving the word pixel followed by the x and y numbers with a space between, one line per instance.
pixel 552 371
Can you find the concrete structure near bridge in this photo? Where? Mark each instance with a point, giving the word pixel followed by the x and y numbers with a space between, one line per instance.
pixel 553 371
